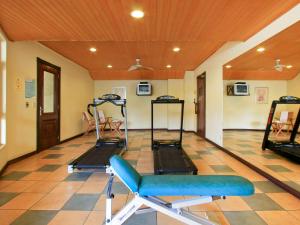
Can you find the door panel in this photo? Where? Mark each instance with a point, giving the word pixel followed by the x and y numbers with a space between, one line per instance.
pixel 201 105
pixel 48 96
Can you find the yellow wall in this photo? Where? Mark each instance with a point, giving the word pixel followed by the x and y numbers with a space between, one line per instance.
pixel 76 92
pixel 241 112
pixel 294 90
pixel 139 107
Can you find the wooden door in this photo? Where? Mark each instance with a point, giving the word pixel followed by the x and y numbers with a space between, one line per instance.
pixel 201 105
pixel 48 105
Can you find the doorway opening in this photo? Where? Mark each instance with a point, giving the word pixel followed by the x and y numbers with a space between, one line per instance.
pixel 200 104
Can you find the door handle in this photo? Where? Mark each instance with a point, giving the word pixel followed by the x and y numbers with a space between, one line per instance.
pixel 196 106
pixel 41 110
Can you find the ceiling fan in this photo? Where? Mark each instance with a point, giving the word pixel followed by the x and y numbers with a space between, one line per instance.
pixel 139 66
pixel 278 66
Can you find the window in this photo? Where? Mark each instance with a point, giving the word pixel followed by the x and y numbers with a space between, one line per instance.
pixel 3 50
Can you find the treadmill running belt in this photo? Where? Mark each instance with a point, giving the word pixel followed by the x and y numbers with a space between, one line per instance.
pixel 170 160
pixel 97 157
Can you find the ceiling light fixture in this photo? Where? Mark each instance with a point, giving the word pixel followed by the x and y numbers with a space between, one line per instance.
pixel 137 14
pixel 228 66
pixel 176 49
pixel 260 49
pixel 168 66
pixel 109 66
pixel 289 66
pixel 92 49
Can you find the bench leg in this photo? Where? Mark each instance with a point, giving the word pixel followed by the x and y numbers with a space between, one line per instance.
pixel 178 214
pixel 125 213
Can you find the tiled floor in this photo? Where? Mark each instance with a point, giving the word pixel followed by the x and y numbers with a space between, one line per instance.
pixel 247 145
pixel 38 190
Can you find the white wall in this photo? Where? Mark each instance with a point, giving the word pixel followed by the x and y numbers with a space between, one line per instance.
pixel 214 72
pixel 76 92
pixel 241 112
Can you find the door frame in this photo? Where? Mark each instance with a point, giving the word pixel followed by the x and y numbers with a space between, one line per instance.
pixel 39 62
pixel 203 77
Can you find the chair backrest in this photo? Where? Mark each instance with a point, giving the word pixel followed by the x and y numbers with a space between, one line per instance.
pixel 284 116
pixel 86 116
pixel 126 172
pixel 290 116
pixel 101 116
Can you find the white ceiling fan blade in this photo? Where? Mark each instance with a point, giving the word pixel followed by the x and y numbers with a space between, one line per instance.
pixel 147 68
pixel 133 67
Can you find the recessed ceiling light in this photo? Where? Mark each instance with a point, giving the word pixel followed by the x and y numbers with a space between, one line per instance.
pixel 137 14
pixel 289 66
pixel 109 66
pixel 93 49
pixel 176 49
pixel 228 66
pixel 168 66
pixel 261 49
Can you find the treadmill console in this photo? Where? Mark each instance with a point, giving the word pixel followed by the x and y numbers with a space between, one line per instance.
pixel 110 97
pixel 166 98
pixel 288 98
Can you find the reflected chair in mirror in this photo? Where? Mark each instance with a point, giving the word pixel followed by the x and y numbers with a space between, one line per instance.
pixel 285 121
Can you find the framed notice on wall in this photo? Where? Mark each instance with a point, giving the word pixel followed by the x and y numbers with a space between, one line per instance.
pixel 261 95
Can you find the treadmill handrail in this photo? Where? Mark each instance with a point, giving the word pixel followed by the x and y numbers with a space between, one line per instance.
pixel 116 102
pixel 167 101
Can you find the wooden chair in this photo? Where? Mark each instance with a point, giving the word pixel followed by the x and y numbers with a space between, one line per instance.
pixel 114 124
pixel 285 120
pixel 91 125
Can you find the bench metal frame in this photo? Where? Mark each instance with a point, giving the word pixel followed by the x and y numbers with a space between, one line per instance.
pixel 173 209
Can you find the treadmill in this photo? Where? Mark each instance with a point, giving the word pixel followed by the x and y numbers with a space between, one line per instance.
pixel 169 156
pixel 98 156
pixel 289 147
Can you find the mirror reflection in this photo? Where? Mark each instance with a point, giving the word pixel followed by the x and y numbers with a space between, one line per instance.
pixel 252 82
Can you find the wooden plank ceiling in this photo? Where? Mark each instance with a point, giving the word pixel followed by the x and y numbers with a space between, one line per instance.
pixel 198 27
pixel 254 65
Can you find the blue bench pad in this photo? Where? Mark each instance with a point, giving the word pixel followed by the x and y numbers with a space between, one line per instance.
pixel 207 185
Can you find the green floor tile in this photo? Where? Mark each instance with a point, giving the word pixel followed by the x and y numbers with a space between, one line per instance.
pixel 293 185
pixel 261 202
pixel 80 176
pixel 81 202
pixel 35 217
pixel 6 197
pixel 49 168
pixel 272 156
pixel 278 168
pixel 222 168
pixel 15 175
pixel 74 145
pixel 268 187
pixel 142 219
pixel 53 156
pixel 244 218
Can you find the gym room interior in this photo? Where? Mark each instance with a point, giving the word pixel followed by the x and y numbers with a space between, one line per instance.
pixel 175 99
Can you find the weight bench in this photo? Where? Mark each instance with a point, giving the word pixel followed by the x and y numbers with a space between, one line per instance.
pixel 207 188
